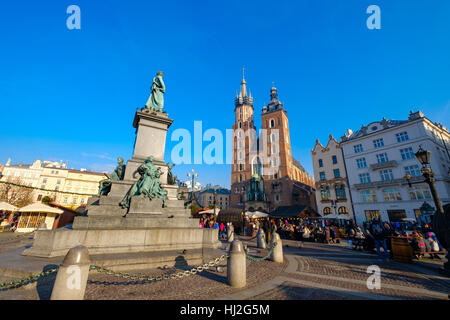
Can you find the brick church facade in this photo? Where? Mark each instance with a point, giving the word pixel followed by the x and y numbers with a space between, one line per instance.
pixel 266 157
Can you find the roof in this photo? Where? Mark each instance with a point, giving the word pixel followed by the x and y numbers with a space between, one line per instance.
pixel 217 191
pixel 7 207
pixel 377 126
pixel 296 163
pixel 290 211
pixel 40 207
pixel 86 172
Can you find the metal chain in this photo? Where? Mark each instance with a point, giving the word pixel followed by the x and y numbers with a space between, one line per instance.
pixel 166 276
pixel 258 259
pixel 23 281
pixel 135 277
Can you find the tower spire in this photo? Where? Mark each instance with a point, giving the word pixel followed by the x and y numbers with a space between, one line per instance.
pixel 243 92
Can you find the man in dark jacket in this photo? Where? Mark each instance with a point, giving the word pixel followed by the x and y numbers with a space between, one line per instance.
pixel 379 234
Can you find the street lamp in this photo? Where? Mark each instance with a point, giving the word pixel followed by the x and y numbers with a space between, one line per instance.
pixel 194 178
pixel 441 222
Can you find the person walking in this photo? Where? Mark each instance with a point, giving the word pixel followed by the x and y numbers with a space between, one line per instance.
pixel 350 235
pixel 378 233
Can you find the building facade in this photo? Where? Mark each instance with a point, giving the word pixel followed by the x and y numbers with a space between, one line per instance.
pixel 284 181
pixel 83 184
pixel 381 154
pixel 67 187
pixel 330 174
pixel 220 197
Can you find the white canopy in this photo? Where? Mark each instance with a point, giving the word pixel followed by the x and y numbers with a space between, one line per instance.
pixel 409 219
pixel 7 207
pixel 336 216
pixel 210 211
pixel 40 207
pixel 256 214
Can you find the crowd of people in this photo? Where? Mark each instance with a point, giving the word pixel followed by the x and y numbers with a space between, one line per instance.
pixel 8 221
pixel 371 236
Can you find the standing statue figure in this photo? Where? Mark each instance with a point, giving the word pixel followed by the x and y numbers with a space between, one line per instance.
pixel 148 184
pixel 117 175
pixel 156 100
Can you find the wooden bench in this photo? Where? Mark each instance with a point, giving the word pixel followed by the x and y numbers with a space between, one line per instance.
pixel 419 254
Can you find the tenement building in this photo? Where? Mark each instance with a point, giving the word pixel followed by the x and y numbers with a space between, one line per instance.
pixel 380 155
pixel 67 187
pixel 267 158
pixel 330 174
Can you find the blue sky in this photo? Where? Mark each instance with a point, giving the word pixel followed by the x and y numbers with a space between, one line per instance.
pixel 71 94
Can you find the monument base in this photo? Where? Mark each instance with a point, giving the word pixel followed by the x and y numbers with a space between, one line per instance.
pixel 56 243
pixel 149 232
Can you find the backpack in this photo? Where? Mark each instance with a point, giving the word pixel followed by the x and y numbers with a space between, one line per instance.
pixel 377 229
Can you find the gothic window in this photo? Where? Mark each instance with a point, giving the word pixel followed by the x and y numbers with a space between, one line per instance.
pixel 272 123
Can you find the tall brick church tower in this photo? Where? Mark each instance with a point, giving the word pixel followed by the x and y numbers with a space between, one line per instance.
pixel 285 182
pixel 275 122
pixel 241 170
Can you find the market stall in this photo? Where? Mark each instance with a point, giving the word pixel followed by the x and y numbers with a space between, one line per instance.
pixel 33 215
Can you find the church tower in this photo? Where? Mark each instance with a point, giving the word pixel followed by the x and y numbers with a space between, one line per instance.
pixel 286 182
pixel 275 121
pixel 243 129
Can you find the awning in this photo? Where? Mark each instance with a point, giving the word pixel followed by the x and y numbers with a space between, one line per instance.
pixel 7 207
pixel 210 211
pixel 40 207
pixel 256 214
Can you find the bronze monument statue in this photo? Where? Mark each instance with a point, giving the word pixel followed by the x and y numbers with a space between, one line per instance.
pixel 117 175
pixel 148 184
pixel 156 100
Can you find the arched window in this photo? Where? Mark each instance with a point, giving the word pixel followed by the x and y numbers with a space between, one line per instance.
pixel 272 123
pixel 343 210
pixel 326 210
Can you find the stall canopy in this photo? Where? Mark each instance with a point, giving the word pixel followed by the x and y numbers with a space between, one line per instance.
pixel 39 207
pixel 230 215
pixel 210 211
pixel 4 206
pixel 293 211
pixel 337 216
pixel 256 214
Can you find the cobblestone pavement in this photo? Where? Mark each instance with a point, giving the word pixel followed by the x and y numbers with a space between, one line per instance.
pixel 317 271
pixel 310 271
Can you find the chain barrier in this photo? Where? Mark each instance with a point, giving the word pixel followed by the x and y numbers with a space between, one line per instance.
pixel 46 190
pixel 21 282
pixel 258 259
pixel 167 276
pixel 135 277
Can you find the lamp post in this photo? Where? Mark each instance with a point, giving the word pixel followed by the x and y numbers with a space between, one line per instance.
pixel 441 222
pixel 194 178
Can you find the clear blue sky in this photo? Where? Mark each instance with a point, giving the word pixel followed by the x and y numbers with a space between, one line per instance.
pixel 71 94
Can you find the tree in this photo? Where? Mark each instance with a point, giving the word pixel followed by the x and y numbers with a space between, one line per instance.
pixel 46 200
pixel 12 192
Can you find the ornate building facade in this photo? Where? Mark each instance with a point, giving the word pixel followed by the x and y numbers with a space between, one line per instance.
pixel 267 157
pixel 330 174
